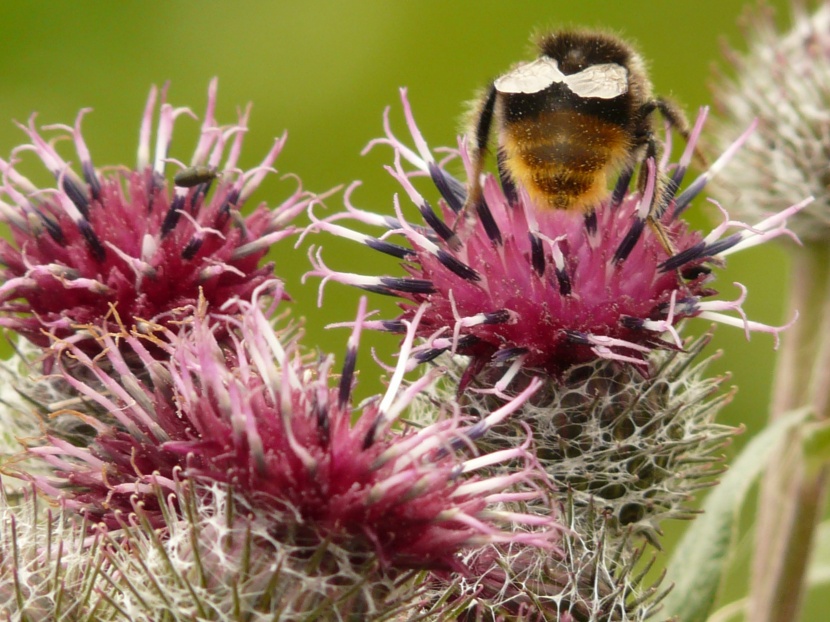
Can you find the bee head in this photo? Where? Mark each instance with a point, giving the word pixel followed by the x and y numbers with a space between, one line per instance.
pixel 574 51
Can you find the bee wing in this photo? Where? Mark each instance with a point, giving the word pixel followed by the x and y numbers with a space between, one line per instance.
pixel 605 81
pixel 530 77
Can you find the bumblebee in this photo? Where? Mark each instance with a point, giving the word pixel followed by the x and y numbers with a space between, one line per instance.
pixel 570 120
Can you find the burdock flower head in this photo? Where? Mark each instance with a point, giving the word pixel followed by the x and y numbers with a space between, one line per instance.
pixel 784 82
pixel 543 289
pixel 126 243
pixel 263 420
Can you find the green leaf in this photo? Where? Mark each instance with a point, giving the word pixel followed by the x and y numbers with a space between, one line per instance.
pixel 701 556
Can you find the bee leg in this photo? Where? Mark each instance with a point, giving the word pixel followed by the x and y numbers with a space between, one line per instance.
pixel 662 235
pixel 674 115
pixel 481 137
pixel 678 122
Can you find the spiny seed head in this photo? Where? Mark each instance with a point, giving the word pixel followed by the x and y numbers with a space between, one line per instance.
pixel 627 448
pixel 590 578
pixel 212 553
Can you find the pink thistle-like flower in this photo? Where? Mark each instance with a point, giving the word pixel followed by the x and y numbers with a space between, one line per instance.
pixel 126 242
pixel 542 289
pixel 256 416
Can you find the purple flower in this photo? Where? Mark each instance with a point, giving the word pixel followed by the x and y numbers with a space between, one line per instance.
pixel 253 413
pixel 119 243
pixel 541 289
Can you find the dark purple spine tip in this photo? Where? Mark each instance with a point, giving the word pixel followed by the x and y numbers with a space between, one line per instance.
pixel 345 389
pixel 230 201
pixel 630 240
pixel 488 222
pixel 392 223
pixel 369 439
pixel 429 355
pixel 591 221
pixel 685 197
pixel 409 286
pixel 473 433
pixel 77 195
pixel 497 317
pixel 53 229
pixel 449 187
pixel 621 187
pixel 91 178
pixel 395 250
pixel 463 344
pixel 634 323
pixel 457 267
pixel 565 286
pixel 192 248
pixel 692 273
pixel 719 246
pixel 93 243
pixel 683 257
pixel 537 254
pixel 685 307
pixel 171 219
pixel 575 336
pixel 319 411
pixel 393 326
pixel 466 341
pixel 441 228
pixel 323 426
pixel 508 354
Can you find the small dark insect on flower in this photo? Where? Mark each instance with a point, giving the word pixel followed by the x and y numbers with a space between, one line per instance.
pixel 568 120
pixel 195 176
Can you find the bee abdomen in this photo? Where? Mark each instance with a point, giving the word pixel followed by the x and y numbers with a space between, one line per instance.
pixel 564 188
pixel 563 158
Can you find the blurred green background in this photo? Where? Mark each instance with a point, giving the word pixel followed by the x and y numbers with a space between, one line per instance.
pixel 325 71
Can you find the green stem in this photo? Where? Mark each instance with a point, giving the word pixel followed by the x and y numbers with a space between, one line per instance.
pixel 791 498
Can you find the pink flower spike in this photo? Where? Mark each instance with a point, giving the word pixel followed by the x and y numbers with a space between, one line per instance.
pixel 520 286
pixel 131 239
pixel 254 415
